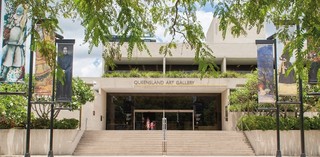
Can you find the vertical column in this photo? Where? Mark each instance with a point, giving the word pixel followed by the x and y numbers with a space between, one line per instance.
pixel 164 65
pixel 224 65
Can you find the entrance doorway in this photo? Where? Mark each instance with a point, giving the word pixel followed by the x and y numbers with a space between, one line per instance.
pixel 176 119
pixel 184 111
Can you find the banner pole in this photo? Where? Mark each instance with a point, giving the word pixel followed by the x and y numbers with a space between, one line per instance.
pixel 27 153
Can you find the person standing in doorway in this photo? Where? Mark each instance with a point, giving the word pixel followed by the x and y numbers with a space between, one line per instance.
pixel 153 125
pixel 148 124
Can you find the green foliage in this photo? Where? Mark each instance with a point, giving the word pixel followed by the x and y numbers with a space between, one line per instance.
pixel 40 123
pixel 12 107
pixel 246 98
pixel 315 123
pixel 230 74
pixel 82 93
pixel 174 74
pixel 6 123
pixel 67 124
pixel 132 20
pixel 251 122
pixel 254 122
pixel 129 20
pixel 134 73
pixel 239 16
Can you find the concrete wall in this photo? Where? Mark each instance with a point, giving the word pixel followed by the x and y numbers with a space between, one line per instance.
pixel 224 103
pixel 231 124
pixel 13 141
pixel 265 142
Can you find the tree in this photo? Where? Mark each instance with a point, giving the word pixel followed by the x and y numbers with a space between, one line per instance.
pixel 133 19
pixel 241 15
pixel 13 107
pixel 82 93
pixel 245 99
pixel 129 19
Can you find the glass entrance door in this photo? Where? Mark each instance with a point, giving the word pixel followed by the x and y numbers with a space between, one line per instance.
pixel 152 119
pixel 183 111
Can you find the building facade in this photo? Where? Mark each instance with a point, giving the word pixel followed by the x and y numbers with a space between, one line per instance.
pixel 140 103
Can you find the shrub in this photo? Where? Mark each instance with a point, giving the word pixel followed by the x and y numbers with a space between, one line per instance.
pixel 253 122
pixel 41 123
pixel 288 123
pixel 66 124
pixel 230 74
pixel 135 73
pixel 6 123
pixel 315 123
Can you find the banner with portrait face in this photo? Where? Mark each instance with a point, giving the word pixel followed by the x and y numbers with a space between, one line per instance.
pixel 12 57
pixel 265 62
pixel 65 60
pixel 43 72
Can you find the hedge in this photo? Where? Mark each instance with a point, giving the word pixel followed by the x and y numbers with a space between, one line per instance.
pixel 254 122
pixel 39 123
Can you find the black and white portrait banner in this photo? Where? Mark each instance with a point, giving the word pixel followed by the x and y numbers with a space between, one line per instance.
pixel 65 60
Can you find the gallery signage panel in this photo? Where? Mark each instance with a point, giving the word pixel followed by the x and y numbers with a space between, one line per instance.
pixel 163 82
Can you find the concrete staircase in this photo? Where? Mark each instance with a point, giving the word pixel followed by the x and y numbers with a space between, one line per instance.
pixel 199 143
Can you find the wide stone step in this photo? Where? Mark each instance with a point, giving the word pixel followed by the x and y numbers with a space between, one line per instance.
pixel 150 143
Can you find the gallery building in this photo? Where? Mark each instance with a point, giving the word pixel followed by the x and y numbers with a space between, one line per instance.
pixel 187 103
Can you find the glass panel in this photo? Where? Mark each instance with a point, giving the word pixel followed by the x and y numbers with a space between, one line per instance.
pixel 179 121
pixel 121 107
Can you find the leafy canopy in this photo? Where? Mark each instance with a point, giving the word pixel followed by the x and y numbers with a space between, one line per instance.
pixel 133 19
pixel 130 20
pixel 240 15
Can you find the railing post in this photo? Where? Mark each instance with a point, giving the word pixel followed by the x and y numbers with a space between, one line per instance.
pixel 164 140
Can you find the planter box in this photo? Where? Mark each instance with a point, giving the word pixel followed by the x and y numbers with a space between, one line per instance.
pixel 64 141
pixel 265 142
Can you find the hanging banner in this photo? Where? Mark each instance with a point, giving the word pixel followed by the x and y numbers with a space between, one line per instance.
pixel 265 71
pixel 65 59
pixel 314 68
pixel 12 56
pixel 1 30
pixel 314 58
pixel 43 72
pixel 287 85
